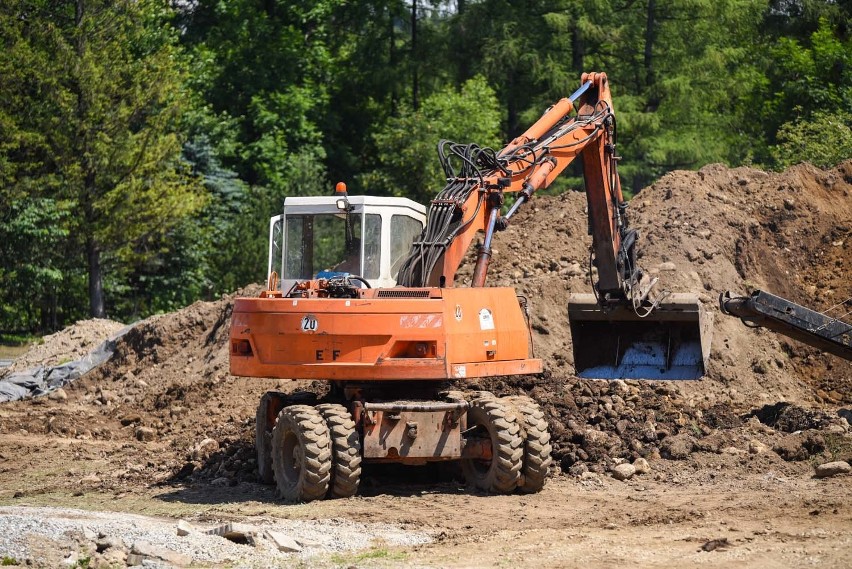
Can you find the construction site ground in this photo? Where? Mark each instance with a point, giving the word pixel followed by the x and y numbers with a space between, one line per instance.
pixel 162 431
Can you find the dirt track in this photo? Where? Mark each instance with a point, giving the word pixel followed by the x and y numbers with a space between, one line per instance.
pixel 731 456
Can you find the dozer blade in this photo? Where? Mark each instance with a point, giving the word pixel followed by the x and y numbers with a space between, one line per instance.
pixel 673 342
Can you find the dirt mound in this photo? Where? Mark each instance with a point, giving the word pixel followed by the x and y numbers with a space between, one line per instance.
pixel 167 389
pixel 67 345
pixel 705 232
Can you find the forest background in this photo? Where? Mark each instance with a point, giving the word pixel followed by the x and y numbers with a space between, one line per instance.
pixel 145 143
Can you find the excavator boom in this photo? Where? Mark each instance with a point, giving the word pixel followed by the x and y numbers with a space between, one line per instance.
pixel 762 309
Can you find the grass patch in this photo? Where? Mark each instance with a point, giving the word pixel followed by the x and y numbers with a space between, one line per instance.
pixel 17 339
pixel 838 446
pixel 8 561
pixel 376 554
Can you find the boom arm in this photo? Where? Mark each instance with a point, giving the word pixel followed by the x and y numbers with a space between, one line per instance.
pixel 478 179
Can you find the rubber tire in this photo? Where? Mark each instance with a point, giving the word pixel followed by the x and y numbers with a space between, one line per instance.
pixel 345 451
pixel 502 473
pixel 537 448
pixel 301 454
pixel 263 444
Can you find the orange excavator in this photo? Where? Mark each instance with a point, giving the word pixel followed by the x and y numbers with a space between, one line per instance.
pixel 361 294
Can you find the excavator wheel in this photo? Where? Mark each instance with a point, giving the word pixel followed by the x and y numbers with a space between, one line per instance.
pixel 537 459
pixel 488 417
pixel 301 454
pixel 345 451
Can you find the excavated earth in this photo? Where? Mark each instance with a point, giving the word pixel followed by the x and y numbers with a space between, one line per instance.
pixel 163 429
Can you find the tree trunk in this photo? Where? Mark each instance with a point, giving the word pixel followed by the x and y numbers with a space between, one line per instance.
pixel 93 252
pixel 415 79
pixel 96 287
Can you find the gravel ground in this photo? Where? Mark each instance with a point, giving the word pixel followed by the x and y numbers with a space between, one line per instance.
pixel 18 526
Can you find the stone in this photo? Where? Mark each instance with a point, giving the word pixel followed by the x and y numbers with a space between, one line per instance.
pixel 677 447
pixel 221 481
pixel 183 528
pixel 109 542
pixel 283 542
pixel 833 469
pixel 134 559
pixel 641 466
pixel 58 395
pixel 130 419
pixel 757 447
pixel 667 266
pixel 145 434
pixel 623 471
pixel 204 449
pixel 238 533
pixel 149 550
pixel 89 533
pixel 574 270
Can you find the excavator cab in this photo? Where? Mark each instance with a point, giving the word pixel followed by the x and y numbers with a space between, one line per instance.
pixel 322 237
pixel 672 341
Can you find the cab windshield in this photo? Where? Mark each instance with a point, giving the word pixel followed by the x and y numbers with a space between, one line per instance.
pixel 326 245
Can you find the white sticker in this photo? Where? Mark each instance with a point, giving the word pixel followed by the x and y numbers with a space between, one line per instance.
pixel 460 371
pixel 309 324
pixel 486 320
pixel 421 321
pixel 458 312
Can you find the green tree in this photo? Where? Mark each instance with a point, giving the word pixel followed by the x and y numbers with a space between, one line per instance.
pixel 407 160
pixel 807 79
pixel 93 98
pixel 33 233
pixel 824 139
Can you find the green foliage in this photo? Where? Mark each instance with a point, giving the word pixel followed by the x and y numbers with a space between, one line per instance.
pixel 406 144
pixel 8 561
pixel 92 102
pixel 33 233
pixel 825 139
pixel 803 76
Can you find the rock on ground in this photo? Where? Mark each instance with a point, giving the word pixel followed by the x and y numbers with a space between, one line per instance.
pixel 833 469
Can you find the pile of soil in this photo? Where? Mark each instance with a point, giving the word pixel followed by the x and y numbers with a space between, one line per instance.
pixel 703 233
pixel 69 344
pixel 167 389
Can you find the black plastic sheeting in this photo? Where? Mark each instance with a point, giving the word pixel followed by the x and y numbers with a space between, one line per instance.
pixel 42 380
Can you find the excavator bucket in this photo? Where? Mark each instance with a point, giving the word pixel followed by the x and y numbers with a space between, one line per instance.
pixel 672 342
